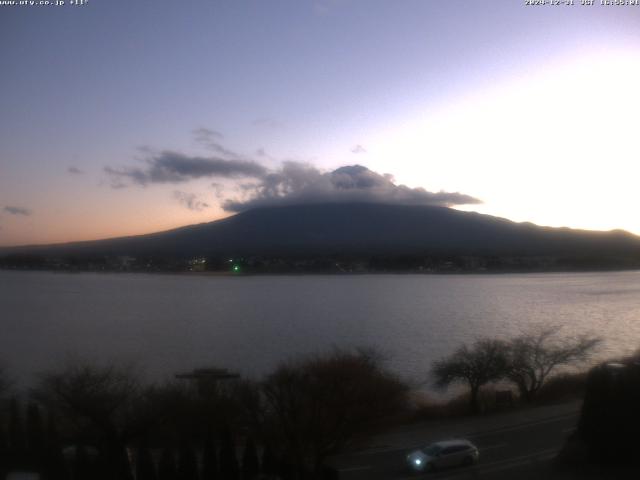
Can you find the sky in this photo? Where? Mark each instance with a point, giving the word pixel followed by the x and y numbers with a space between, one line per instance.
pixel 121 118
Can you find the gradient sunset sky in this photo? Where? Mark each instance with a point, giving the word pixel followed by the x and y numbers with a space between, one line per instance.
pixel 126 117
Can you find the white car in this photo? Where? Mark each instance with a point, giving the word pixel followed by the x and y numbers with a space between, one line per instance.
pixel 448 453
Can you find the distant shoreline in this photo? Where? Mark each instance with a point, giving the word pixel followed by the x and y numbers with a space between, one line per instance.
pixel 326 273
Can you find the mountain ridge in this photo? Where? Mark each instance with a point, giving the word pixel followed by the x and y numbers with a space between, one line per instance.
pixel 353 229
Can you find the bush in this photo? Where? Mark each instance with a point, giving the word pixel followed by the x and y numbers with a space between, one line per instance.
pixel 610 418
pixel 318 406
pixel 564 387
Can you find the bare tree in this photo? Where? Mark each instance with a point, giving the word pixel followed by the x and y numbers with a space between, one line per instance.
pixel 534 356
pixel 100 398
pixel 484 362
pixel 317 406
pixel 5 382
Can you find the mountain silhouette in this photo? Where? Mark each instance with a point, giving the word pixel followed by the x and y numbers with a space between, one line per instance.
pixel 356 229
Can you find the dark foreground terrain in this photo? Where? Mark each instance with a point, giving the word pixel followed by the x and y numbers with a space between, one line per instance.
pixel 521 445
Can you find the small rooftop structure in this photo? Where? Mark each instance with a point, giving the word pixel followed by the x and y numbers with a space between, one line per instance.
pixel 213 374
pixel 207 380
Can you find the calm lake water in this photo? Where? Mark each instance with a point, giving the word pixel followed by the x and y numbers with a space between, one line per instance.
pixel 170 323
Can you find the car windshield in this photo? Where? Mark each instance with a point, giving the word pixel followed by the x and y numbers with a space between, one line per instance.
pixel 432 450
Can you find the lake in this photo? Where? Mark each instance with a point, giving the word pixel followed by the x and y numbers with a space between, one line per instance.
pixel 170 323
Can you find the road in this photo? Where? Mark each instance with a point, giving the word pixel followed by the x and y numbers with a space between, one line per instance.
pixel 506 444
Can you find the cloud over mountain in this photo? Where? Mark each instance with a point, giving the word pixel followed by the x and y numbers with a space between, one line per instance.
pixel 247 183
pixel 301 183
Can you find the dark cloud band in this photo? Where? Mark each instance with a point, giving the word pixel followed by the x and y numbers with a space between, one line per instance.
pixel 173 167
pixel 17 211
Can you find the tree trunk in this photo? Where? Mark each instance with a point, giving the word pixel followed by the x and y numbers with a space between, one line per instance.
pixel 527 393
pixel 474 403
pixel 524 393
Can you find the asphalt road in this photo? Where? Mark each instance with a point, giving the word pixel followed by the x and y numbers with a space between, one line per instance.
pixel 513 447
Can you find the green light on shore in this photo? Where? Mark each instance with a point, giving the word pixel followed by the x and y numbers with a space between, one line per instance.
pixel 236 268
